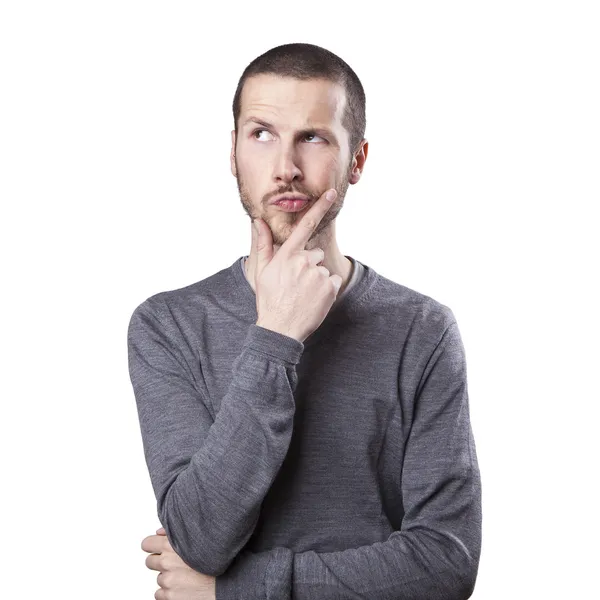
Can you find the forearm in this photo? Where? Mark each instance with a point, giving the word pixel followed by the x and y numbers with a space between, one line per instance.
pixel 414 565
pixel 210 477
pixel 211 508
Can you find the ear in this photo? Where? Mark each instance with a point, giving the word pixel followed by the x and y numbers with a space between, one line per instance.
pixel 358 162
pixel 232 155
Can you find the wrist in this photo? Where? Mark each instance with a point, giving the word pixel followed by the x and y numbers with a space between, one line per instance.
pixel 277 329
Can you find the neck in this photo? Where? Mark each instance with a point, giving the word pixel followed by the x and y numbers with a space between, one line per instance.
pixel 334 261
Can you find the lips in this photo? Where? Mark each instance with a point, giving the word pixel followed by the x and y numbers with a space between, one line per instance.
pixel 288 197
pixel 291 205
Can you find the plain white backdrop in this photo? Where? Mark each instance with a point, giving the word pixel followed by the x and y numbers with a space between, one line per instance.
pixel 480 189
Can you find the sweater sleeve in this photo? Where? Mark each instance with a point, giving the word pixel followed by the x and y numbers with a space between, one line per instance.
pixel 210 476
pixel 435 554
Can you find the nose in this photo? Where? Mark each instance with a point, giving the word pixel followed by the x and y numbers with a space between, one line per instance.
pixel 286 166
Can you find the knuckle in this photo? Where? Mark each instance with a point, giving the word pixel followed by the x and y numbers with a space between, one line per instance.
pixel 167 580
pixel 309 223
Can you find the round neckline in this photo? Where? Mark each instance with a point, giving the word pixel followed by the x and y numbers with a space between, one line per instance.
pixel 355 295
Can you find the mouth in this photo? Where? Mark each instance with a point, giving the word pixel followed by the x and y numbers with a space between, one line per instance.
pixel 289 196
pixel 288 205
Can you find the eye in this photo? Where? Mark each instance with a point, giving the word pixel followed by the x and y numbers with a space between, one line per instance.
pixel 308 135
pixel 258 131
pixel 314 135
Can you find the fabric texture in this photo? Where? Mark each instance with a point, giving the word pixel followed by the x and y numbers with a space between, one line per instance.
pixel 340 467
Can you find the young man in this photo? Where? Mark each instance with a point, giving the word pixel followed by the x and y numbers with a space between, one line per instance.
pixel 305 420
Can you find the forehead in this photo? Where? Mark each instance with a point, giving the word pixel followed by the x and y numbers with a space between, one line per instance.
pixel 286 100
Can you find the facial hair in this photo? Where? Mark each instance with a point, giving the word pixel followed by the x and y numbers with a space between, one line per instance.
pixel 281 233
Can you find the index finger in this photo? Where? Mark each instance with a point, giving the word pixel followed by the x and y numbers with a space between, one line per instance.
pixel 153 544
pixel 309 222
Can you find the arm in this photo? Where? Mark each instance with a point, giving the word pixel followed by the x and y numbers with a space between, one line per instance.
pixel 210 476
pixel 435 555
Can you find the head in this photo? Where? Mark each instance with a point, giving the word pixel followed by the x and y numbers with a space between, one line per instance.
pixel 299 115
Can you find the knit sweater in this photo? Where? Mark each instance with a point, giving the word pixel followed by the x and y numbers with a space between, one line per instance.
pixel 340 467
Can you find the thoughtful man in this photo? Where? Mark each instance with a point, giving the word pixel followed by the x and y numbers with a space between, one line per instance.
pixel 305 420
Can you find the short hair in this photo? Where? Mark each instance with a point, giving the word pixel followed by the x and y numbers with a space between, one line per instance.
pixel 307 61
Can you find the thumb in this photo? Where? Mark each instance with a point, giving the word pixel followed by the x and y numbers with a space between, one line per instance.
pixel 264 246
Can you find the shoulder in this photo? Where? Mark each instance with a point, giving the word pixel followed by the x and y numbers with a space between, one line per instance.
pixel 418 314
pixel 185 304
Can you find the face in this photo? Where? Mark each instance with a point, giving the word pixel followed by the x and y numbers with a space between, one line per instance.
pixel 301 147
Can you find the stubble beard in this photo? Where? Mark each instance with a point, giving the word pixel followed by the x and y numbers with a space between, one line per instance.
pixel 280 233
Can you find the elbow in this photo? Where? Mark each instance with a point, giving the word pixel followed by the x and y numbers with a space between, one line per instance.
pixel 202 543
pixel 203 558
pixel 449 584
pixel 198 550
pixel 466 584
pixel 462 577
pixel 457 578
pixel 463 554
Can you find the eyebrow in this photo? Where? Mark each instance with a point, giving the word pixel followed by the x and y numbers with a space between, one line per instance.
pixel 318 130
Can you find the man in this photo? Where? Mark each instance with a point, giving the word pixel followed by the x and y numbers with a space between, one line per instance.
pixel 305 420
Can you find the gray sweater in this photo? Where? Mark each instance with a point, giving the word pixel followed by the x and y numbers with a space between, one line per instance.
pixel 340 467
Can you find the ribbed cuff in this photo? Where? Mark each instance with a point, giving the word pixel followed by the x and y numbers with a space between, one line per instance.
pixel 244 578
pixel 257 576
pixel 278 580
pixel 274 344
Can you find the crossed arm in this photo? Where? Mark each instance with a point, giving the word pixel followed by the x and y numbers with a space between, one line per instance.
pixel 435 554
pixel 209 504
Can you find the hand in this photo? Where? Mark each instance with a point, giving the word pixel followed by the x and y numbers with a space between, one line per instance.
pixel 293 294
pixel 176 579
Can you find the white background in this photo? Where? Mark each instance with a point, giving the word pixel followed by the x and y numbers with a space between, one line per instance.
pixel 479 188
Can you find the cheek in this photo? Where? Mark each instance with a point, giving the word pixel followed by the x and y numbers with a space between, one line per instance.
pixel 253 161
pixel 327 168
pixel 329 159
pixel 248 167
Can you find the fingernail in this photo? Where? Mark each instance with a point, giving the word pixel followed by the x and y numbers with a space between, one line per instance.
pixel 330 195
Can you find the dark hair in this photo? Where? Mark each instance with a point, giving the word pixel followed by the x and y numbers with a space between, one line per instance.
pixel 307 61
